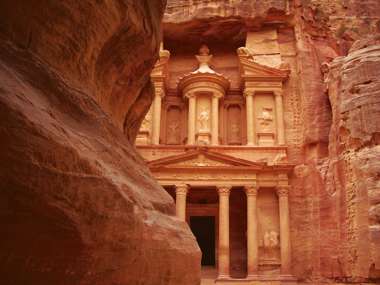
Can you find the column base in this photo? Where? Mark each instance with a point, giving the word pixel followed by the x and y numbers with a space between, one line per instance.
pixel 253 277
pixel 223 277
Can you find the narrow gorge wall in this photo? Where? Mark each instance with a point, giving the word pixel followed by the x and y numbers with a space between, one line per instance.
pixel 77 204
pixel 331 112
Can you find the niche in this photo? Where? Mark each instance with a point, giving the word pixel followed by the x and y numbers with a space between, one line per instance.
pixel 234 125
pixel 173 125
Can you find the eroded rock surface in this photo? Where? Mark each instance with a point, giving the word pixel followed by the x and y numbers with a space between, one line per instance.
pixel 77 204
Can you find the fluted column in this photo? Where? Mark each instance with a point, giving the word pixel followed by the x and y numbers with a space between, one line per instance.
pixel 279 118
pixel 224 232
pixel 250 118
pixel 252 233
pixel 282 192
pixel 180 201
pixel 215 120
pixel 191 119
pixel 159 93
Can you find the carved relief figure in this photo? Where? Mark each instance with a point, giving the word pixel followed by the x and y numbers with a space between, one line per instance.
pixel 173 129
pixel 203 119
pixel 234 127
pixel 266 119
pixel 235 130
pixel 271 244
pixel 270 239
pixel 146 123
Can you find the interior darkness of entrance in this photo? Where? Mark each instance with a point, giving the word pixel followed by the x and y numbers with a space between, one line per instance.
pixel 203 228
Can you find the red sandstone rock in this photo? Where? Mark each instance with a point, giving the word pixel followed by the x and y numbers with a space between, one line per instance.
pixel 77 204
pixel 332 134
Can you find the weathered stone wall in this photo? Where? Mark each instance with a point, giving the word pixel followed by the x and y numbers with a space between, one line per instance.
pixel 77 204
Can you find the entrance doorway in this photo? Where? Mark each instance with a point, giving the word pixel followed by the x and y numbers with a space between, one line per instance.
pixel 203 228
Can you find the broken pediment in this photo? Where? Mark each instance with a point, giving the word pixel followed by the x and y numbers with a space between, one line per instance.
pixel 253 71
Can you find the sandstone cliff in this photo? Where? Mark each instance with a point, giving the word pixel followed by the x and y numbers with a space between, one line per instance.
pixel 331 115
pixel 77 204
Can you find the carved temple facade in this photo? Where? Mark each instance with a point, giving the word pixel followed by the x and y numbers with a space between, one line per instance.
pixel 215 139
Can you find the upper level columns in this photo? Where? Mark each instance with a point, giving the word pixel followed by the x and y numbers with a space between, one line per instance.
pixel 279 117
pixel 159 94
pixel 282 192
pixel 191 119
pixel 251 136
pixel 215 120
pixel 224 232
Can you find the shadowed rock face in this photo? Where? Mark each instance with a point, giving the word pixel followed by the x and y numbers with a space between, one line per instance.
pixel 77 204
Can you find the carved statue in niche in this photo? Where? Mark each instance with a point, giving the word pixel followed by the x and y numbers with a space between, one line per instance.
pixel 173 127
pixel 234 125
pixel 203 120
pixel 235 131
pixel 146 123
pixel 270 245
pixel 266 119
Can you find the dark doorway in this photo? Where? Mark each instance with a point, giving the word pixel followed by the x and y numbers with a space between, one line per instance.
pixel 203 228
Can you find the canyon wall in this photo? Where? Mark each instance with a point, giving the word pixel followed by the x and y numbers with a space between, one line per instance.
pixel 331 115
pixel 77 204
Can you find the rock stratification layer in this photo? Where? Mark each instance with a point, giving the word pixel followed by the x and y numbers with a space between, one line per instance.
pixel 77 204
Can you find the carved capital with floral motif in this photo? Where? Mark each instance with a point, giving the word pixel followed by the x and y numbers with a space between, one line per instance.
pixel 224 190
pixel 250 190
pixel 181 189
pixel 282 191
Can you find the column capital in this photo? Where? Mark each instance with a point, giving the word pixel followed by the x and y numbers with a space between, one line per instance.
pixel 251 190
pixel 249 92
pixel 283 191
pixel 277 92
pixel 181 189
pixel 224 189
pixel 189 95
pixel 217 95
pixel 159 91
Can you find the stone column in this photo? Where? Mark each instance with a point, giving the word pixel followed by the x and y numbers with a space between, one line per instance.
pixel 180 201
pixel 191 119
pixel 282 192
pixel 279 118
pixel 159 93
pixel 252 233
pixel 224 232
pixel 215 120
pixel 250 118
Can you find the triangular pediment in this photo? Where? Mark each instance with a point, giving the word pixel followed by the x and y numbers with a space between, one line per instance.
pixel 253 70
pixel 202 158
